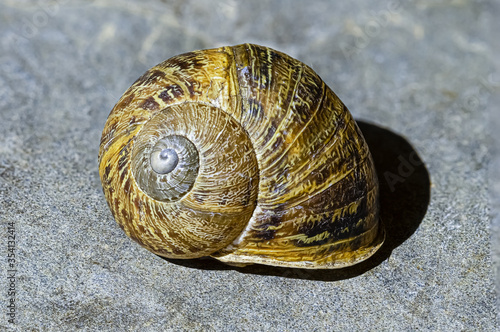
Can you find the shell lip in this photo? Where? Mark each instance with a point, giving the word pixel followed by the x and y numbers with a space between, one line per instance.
pixel 355 257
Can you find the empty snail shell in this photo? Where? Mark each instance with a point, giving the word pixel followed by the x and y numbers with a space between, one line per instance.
pixel 244 154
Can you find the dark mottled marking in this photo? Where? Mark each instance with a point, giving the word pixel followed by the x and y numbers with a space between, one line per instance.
pixel 175 251
pixel 255 107
pixel 277 58
pixel 352 245
pixel 150 77
pixel 335 228
pixel 271 130
pixel 304 110
pixel 187 61
pixel 265 69
pixel 340 124
pixel 266 235
pixel 107 169
pixel 190 85
pixel 349 189
pixel 138 203
pixel 122 176
pixel 140 229
pixel 133 120
pixel 116 208
pixel 122 161
pixel 124 102
pixel 126 186
pixel 360 188
pixel 125 214
pixel 171 93
pixel 133 124
pixel 263 232
pixel 150 104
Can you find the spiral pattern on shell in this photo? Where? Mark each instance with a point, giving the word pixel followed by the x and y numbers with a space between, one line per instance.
pixel 244 154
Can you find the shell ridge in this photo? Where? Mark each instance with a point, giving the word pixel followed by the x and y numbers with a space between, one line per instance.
pixel 286 114
pixel 328 148
pixel 291 144
pixel 314 188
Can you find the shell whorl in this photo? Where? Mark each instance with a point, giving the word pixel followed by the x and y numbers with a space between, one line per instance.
pixel 165 167
pixel 244 154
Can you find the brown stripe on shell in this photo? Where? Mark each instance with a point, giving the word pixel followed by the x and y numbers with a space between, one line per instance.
pixel 151 77
pixel 171 93
pixel 150 104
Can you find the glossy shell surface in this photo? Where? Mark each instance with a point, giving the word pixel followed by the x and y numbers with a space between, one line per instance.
pixel 244 154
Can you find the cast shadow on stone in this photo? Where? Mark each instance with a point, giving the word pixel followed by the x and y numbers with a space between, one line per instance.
pixel 404 197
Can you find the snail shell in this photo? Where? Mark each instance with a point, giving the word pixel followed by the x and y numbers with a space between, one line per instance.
pixel 244 154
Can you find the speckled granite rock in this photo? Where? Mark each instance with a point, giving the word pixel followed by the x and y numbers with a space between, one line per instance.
pixel 420 75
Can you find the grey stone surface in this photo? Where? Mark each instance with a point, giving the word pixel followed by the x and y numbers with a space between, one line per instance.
pixel 425 71
pixel 494 169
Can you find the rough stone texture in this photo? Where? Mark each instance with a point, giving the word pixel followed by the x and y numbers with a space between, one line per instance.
pixel 494 167
pixel 422 76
